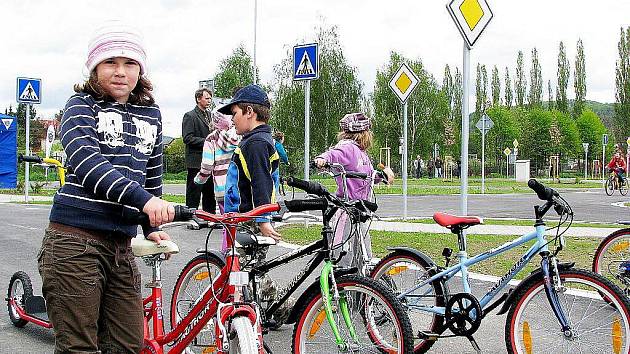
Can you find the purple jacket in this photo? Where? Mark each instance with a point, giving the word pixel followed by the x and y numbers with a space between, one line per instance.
pixel 350 155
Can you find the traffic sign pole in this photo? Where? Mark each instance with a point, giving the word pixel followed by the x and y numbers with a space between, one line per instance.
pixel 465 128
pixel 483 155
pixel 28 152
pixel 307 142
pixel 404 161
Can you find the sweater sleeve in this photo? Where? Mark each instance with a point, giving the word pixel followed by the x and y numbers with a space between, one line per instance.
pixel 256 154
pixel 155 168
pixel 80 141
pixel 282 153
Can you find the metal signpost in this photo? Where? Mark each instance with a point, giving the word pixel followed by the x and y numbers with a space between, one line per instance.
pixel 507 153
pixel 471 17
pixel 585 146
pixel 306 67
pixel 403 83
pixel 484 124
pixel 28 91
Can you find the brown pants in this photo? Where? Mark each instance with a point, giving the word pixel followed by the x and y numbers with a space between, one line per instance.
pixel 92 288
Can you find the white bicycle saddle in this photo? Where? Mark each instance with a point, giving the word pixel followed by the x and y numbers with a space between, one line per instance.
pixel 142 247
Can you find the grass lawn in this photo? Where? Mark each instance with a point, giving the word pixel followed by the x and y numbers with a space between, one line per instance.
pixel 578 250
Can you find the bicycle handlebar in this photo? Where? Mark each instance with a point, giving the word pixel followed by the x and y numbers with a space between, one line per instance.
pixel 299 205
pixel 307 186
pixel 32 158
pixel 543 192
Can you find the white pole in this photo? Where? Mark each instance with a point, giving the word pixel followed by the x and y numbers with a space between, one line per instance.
pixel 255 30
pixel 307 105
pixel 586 163
pixel 404 162
pixel 603 161
pixel 464 157
pixel 28 152
pixel 483 155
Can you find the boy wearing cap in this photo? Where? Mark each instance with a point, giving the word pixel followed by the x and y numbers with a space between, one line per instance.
pixel 253 171
pixel 111 131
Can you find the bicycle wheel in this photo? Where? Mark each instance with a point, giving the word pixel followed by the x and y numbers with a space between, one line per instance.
pixel 243 336
pixel 609 186
pixel 191 283
pixel 612 259
pixel 623 187
pixel 400 271
pixel 597 325
pixel 378 318
pixel 20 289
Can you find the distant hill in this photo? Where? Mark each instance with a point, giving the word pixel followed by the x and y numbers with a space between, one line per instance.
pixel 605 111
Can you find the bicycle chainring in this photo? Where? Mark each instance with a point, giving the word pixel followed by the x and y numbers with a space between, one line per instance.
pixel 463 314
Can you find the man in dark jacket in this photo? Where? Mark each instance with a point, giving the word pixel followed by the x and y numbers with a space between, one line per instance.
pixel 196 125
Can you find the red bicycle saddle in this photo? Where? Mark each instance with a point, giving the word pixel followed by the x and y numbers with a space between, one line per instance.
pixel 450 221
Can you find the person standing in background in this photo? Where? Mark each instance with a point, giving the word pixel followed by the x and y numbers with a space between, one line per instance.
pixel 196 125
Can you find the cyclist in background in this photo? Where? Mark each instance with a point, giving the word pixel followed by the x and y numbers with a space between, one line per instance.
pixel 111 131
pixel 618 165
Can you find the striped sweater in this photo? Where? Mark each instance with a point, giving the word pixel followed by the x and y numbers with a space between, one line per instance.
pixel 114 159
pixel 215 159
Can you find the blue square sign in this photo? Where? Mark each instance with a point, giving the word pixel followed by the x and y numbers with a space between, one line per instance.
pixel 29 90
pixel 305 62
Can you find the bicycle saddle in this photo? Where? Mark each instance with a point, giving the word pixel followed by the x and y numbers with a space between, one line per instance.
pixel 142 247
pixel 244 239
pixel 451 221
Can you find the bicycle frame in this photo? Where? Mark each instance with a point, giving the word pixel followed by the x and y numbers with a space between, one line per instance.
pixel 540 247
pixel 229 295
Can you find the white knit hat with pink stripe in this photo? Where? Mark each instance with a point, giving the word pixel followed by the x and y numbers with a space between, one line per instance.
pixel 115 39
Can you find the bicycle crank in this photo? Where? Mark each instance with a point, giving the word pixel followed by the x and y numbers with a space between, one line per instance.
pixel 463 314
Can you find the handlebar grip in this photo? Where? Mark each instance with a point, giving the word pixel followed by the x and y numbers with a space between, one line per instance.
pixel 183 213
pixel 360 175
pixel 309 187
pixel 544 193
pixel 299 205
pixel 34 158
pixel 363 204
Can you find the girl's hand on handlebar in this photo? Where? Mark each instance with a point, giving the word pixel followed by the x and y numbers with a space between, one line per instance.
pixel 267 230
pixel 319 162
pixel 159 211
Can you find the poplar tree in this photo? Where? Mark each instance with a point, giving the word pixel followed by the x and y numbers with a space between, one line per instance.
pixel 508 88
pixel 562 103
pixel 579 80
pixel 496 87
pixel 550 99
pixel 622 83
pixel 521 81
pixel 535 90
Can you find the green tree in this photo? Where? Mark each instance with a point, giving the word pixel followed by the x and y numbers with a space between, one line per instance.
pixel 508 89
pixel 535 130
pixel 496 87
pixel 536 86
pixel 570 135
pixel 550 97
pixel 447 91
pixel 481 89
pixel 591 129
pixel 579 81
pixel 457 93
pixel 521 81
pixel 234 71
pixel 622 90
pixel 335 93
pixel 562 103
pixel 20 114
pixel 502 134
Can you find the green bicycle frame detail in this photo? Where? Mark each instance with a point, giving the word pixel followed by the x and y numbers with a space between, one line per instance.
pixel 325 288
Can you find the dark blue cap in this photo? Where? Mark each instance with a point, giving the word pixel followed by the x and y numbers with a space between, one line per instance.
pixel 248 94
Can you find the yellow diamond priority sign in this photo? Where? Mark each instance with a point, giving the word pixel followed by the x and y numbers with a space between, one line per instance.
pixel 403 82
pixel 471 18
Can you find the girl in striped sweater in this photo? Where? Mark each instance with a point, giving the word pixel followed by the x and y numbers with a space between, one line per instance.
pixel 217 153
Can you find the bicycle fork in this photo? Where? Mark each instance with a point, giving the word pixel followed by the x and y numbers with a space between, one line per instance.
pixel 343 306
pixel 551 277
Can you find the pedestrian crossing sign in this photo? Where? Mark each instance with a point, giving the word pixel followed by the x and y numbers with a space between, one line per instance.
pixel 305 62
pixel 29 90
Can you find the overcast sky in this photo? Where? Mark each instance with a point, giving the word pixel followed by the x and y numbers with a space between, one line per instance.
pixel 185 40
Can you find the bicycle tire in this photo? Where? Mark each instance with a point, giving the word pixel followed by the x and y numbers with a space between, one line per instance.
pixel 390 271
pixel 610 255
pixel 379 313
pixel 243 336
pixel 609 186
pixel 584 292
pixel 191 282
pixel 20 289
pixel 623 187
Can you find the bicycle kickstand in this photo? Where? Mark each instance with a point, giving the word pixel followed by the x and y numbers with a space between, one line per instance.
pixel 474 344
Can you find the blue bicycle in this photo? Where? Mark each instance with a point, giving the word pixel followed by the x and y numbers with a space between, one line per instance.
pixel 556 309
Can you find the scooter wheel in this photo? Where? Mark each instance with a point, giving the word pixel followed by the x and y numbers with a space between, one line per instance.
pixel 20 289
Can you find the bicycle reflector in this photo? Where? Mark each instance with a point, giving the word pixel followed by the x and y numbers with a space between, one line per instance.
pixel 527 337
pixel 616 335
pixel 317 324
